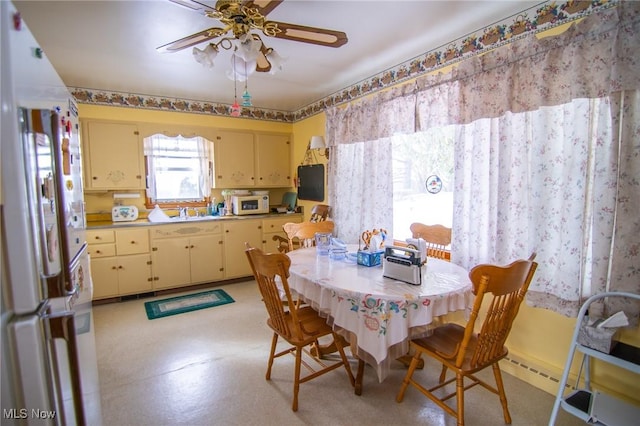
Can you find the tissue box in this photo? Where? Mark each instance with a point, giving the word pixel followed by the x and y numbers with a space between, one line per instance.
pixel 600 339
pixel 366 258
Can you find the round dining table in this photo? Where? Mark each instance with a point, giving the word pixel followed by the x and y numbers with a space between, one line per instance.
pixel 377 315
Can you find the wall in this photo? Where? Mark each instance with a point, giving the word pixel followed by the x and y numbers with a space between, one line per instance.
pixel 303 130
pixel 101 202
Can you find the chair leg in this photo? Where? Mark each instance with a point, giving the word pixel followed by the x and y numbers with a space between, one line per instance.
pixel 503 397
pixel 443 374
pixel 359 377
pixel 460 398
pixel 338 342
pixel 407 378
pixel 296 379
pixel 274 342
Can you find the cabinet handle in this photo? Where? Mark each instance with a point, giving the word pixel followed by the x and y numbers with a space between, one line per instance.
pixel 220 242
pixel 98 252
pixel 187 247
pixel 154 248
pixel 133 242
pixel 98 238
pixel 192 246
pixel 156 278
pixel 120 267
pixel 227 231
pixel 149 262
pixel 114 268
pixel 95 178
pixel 149 279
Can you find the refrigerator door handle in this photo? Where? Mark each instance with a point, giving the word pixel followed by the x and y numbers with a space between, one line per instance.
pixel 62 326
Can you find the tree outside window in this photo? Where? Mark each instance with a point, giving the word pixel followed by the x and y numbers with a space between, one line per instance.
pixel 416 157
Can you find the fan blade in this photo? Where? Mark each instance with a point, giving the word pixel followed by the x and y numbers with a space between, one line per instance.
pixel 193 5
pixel 262 63
pixel 320 36
pixel 192 40
pixel 263 6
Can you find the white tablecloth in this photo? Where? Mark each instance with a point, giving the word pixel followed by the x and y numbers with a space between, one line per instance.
pixel 382 314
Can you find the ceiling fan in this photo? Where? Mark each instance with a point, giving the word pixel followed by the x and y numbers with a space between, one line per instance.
pixel 239 18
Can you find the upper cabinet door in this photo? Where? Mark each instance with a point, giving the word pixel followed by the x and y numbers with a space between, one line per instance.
pixel 234 160
pixel 114 155
pixel 273 160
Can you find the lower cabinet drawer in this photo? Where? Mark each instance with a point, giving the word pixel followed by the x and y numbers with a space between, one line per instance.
pixel 102 250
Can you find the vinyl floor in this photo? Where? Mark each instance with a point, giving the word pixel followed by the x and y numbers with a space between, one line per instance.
pixel 208 368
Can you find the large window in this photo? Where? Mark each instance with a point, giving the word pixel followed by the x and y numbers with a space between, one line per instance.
pixel 422 180
pixel 179 170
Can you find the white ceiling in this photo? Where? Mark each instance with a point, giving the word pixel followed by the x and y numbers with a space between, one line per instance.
pixel 111 45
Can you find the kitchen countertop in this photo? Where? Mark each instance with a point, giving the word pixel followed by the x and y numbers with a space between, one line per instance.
pixel 145 222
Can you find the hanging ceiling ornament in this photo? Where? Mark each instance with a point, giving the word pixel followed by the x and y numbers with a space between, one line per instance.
pixel 246 97
pixel 235 108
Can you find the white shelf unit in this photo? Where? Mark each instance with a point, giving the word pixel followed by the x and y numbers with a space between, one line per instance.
pixel 581 402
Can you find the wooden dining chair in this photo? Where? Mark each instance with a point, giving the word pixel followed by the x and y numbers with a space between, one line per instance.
pixel 299 326
pixel 303 234
pixel 319 213
pixel 438 238
pixel 466 352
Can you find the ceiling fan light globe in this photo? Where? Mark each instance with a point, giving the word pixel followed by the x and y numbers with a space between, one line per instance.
pixel 249 48
pixel 275 60
pixel 205 56
pixel 240 69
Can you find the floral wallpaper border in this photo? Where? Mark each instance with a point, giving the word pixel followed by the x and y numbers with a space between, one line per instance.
pixel 544 17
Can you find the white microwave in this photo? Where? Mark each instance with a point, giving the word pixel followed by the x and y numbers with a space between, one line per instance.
pixel 250 204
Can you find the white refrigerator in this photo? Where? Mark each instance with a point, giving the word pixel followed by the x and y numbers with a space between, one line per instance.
pixel 49 372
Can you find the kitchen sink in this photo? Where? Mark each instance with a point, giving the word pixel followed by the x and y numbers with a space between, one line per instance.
pixel 170 219
pixel 194 218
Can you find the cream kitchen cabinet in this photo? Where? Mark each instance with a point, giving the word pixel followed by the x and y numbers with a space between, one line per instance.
pixel 114 156
pixel 120 262
pixel 273 160
pixel 252 159
pixel 273 227
pixel 236 234
pixel 234 159
pixel 186 254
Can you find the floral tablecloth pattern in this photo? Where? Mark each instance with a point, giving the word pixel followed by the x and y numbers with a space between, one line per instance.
pixel 382 313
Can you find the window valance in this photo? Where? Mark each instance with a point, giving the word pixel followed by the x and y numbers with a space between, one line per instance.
pixel 595 57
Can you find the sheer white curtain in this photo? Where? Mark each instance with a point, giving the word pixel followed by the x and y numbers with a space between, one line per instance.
pixel 360 169
pixel 361 188
pixel 547 154
pixel 540 181
pixel 195 147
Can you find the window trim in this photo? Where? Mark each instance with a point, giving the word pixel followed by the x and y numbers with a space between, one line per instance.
pixel 149 203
